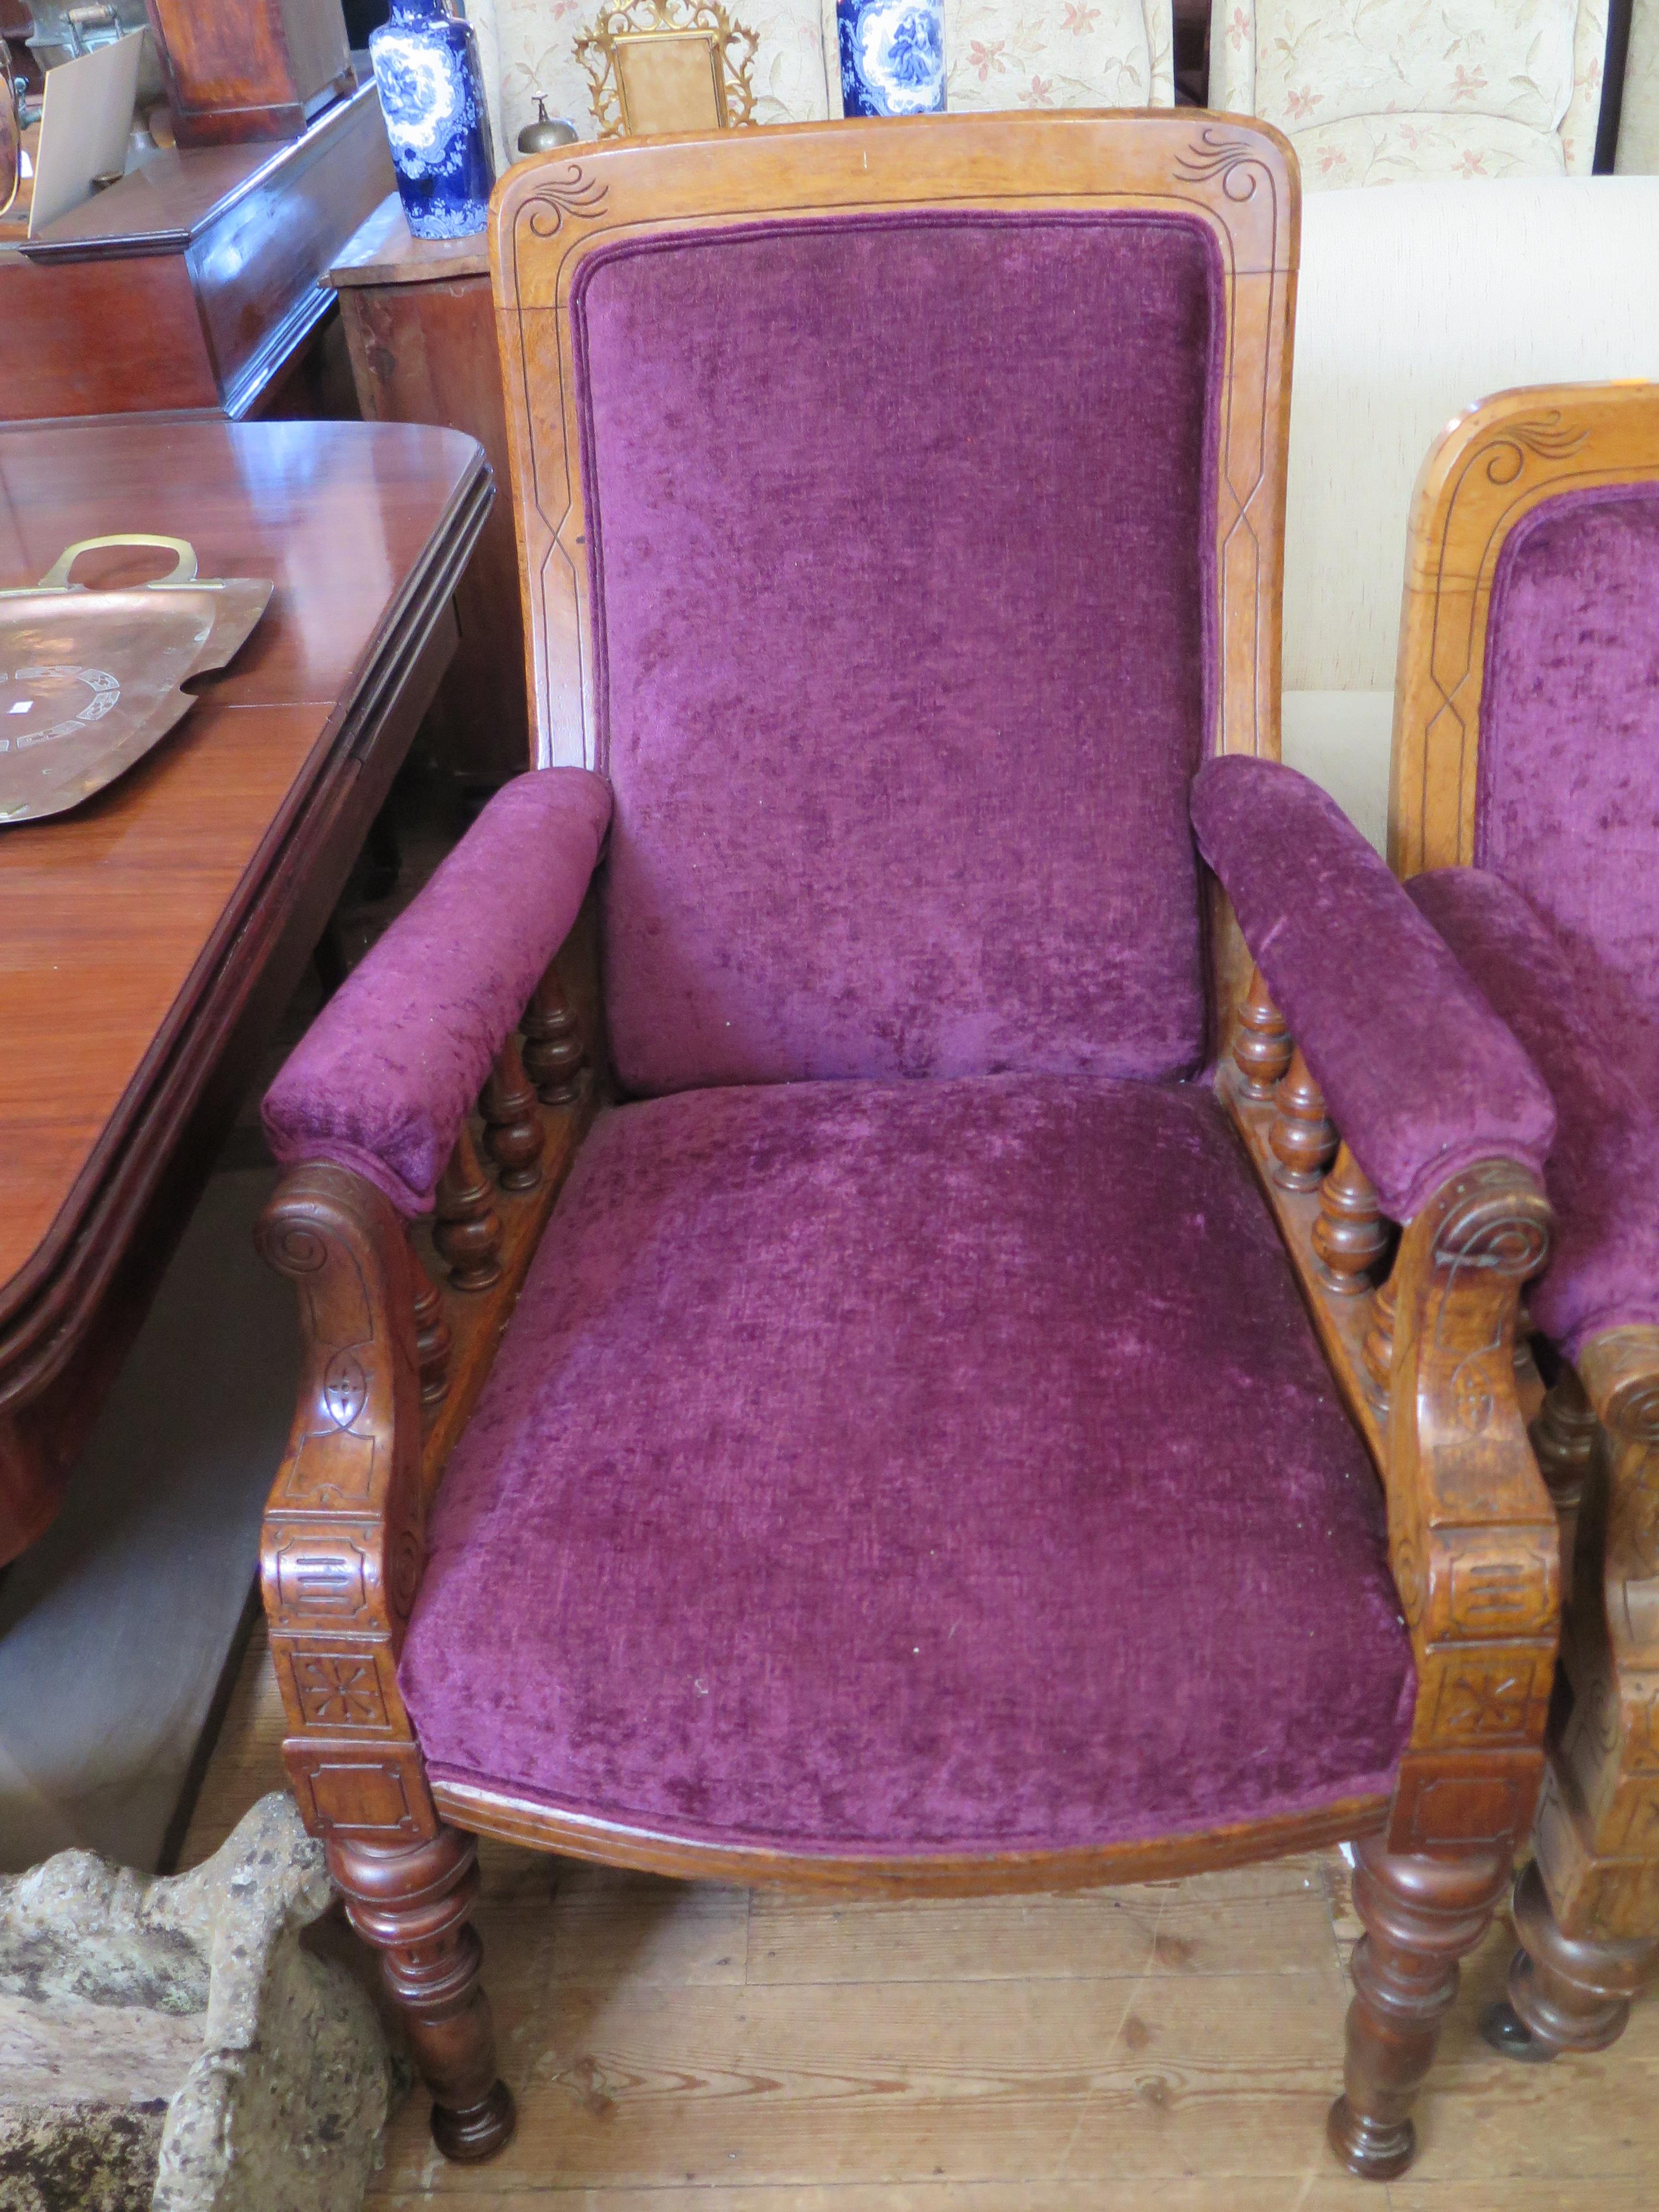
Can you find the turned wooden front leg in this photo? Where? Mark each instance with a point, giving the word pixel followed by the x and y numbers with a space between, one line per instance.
pixel 414 1905
pixel 1421 1916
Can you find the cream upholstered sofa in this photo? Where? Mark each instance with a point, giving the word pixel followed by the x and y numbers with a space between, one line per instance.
pixel 1375 92
pixel 1638 118
pixel 999 53
pixel 1413 305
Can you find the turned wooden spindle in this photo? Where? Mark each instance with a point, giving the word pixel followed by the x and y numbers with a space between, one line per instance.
pixel 1378 1349
pixel 1563 1435
pixel 554 1052
pixel 1349 1236
pixel 432 1342
pixel 1262 1049
pixel 514 1135
pixel 1302 1138
pixel 468 1229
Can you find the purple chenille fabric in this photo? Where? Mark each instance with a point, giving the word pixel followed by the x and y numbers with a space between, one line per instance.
pixel 1597 1048
pixel 912 1466
pixel 1418 1075
pixel 388 1071
pixel 1568 797
pixel 900 539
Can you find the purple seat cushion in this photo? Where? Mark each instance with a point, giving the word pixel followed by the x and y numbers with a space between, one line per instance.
pixel 1568 802
pixel 1598 1050
pixel 912 1468
pixel 1420 1078
pixel 899 533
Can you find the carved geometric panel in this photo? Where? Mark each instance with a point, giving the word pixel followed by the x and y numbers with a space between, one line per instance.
pixel 333 1470
pixel 384 1797
pixel 1501 1596
pixel 321 1578
pixel 1439 1804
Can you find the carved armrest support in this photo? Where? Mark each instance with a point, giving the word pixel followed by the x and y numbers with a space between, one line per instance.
pixel 343 1544
pixel 1426 1359
pixel 400 1324
pixel 1599 1831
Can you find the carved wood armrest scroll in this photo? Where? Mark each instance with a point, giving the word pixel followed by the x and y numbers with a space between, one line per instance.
pixel 1426 1358
pixel 400 1324
pixel 1598 1827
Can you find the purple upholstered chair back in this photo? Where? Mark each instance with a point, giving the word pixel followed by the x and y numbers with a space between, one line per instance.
pixel 899 536
pixel 1567 800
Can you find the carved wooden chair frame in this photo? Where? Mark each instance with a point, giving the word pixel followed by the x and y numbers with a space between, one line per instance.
pixel 394 1362
pixel 1589 1909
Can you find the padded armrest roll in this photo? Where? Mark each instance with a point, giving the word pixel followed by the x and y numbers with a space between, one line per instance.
pixel 387 1073
pixel 1418 1073
pixel 1599 1053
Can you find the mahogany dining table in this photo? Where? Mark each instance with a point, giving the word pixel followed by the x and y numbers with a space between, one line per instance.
pixel 150 938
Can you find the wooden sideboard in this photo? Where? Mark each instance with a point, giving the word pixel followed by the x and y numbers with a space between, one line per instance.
pixel 195 283
pixel 154 935
pixel 420 331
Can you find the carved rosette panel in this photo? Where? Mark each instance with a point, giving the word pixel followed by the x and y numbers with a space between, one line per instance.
pixel 341 1543
pixel 1471 1532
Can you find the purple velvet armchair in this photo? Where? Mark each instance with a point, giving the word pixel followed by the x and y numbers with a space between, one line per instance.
pixel 1526 813
pixel 873 1404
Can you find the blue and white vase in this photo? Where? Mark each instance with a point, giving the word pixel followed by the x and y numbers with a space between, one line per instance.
pixel 892 56
pixel 437 117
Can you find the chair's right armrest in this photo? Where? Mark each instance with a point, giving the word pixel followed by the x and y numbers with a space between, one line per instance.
pixel 1448 1124
pixel 385 1076
pixel 1420 1074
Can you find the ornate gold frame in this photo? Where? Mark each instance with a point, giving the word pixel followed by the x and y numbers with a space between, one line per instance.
pixel 636 26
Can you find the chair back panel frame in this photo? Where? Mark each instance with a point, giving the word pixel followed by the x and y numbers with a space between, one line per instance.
pixel 1237 178
pixel 1490 469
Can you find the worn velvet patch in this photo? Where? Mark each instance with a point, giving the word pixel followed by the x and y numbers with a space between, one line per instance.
pixel 389 1070
pixel 1418 1075
pixel 1568 795
pixel 912 1466
pixel 900 540
pixel 1597 1046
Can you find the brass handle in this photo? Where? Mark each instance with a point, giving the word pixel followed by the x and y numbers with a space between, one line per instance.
pixel 58 573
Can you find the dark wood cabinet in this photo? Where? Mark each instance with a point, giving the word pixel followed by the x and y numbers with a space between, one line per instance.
pixel 195 282
pixel 241 69
pixel 422 336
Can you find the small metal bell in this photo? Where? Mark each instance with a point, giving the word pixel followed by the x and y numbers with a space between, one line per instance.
pixel 546 132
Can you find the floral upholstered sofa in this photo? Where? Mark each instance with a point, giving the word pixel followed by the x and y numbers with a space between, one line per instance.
pixel 1374 92
pixel 998 54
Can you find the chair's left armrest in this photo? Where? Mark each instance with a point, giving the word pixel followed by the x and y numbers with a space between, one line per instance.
pixel 1415 1068
pixel 385 1077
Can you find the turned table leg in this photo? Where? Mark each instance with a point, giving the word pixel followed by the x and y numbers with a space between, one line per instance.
pixel 1421 1916
pixel 1566 1992
pixel 413 1905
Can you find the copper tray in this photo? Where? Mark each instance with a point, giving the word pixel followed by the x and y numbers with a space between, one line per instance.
pixel 90 679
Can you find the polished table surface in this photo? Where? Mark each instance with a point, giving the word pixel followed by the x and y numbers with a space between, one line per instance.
pixel 136 931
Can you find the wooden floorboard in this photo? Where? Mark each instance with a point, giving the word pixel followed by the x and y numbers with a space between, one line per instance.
pixel 1167 2048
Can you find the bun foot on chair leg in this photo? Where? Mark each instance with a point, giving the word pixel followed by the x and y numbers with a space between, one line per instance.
pixel 478 2133
pixel 1566 1992
pixel 1502 2027
pixel 412 1904
pixel 1421 1916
